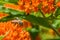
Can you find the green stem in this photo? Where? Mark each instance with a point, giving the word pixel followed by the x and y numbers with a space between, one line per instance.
pixel 42 13
pixel 50 24
pixel 55 31
pixel 54 13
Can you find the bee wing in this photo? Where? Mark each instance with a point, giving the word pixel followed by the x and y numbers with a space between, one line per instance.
pixel 17 21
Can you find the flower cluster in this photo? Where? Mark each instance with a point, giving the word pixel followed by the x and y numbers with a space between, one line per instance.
pixel 25 5
pixel 15 31
pixel 47 6
pixel 29 5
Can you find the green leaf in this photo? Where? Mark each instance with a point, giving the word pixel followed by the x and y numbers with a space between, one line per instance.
pixel 11 17
pixel 57 12
pixel 56 23
pixel 6 19
pixel 6 0
pixel 6 10
pixel 58 16
pixel 47 15
pixel 1 7
pixel 11 1
pixel 1 37
pixel 33 32
pixel 37 14
pixel 15 12
pixel 37 20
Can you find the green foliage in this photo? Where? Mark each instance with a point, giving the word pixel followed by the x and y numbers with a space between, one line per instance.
pixel 58 16
pixel 10 1
pixel 1 37
pixel 57 12
pixel 33 32
pixel 56 23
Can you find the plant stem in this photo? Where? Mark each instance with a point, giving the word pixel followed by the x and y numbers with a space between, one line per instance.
pixel 50 24
pixel 54 13
pixel 55 31
pixel 42 14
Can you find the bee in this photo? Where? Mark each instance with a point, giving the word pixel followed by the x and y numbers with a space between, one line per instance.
pixel 17 21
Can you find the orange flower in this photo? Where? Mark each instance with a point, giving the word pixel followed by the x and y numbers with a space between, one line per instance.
pixel 45 3
pixel 48 6
pixel 38 37
pixel 26 23
pixel 12 6
pixel 15 32
pixel 35 2
pixel 51 1
pixel 35 9
pixel 32 5
pixel 58 4
pixel 20 4
pixel 51 32
pixel 25 5
pixel 3 15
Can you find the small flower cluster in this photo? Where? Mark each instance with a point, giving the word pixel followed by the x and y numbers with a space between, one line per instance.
pixel 2 15
pixel 28 5
pixel 48 6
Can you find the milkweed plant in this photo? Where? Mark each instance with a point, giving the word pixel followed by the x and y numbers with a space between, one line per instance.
pixel 29 19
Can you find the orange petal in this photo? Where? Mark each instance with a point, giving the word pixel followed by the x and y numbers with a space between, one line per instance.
pixel 2 15
pixel 12 6
pixel 58 4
